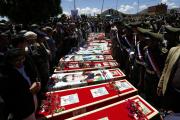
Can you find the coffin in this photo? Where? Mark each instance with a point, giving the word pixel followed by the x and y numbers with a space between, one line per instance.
pixel 76 79
pixel 91 52
pixel 106 43
pixel 68 58
pixel 99 41
pixel 72 102
pixel 93 48
pixel 84 66
pixel 119 111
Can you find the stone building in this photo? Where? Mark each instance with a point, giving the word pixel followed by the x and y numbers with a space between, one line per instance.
pixel 157 9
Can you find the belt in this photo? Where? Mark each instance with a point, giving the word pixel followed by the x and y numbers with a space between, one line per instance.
pixel 150 72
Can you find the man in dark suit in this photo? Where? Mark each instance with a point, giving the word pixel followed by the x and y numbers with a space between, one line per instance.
pixel 18 86
pixel 2 109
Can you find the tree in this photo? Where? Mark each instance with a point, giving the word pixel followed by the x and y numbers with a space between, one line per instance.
pixel 29 11
pixel 173 11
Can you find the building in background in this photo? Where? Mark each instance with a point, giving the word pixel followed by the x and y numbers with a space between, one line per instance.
pixel 157 9
pixel 112 14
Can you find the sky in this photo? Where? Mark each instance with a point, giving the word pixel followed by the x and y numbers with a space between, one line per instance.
pixel 126 6
pixel 93 7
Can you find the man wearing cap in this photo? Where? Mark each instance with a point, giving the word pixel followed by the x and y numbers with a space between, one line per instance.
pixel 52 46
pixel 18 86
pixel 40 57
pixel 172 35
pixel 58 36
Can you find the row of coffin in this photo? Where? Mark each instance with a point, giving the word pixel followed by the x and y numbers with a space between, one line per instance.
pixel 88 85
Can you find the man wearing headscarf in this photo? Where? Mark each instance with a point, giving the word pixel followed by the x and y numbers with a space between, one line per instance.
pixel 169 84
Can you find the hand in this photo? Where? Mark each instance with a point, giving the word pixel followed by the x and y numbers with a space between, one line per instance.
pixel 159 91
pixel 35 87
pixel 48 51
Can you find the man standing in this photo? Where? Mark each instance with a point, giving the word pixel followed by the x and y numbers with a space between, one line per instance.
pixel 169 84
pixel 18 86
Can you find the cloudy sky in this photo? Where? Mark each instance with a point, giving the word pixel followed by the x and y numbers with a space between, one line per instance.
pixel 126 6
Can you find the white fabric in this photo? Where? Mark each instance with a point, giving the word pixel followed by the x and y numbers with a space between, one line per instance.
pixel 30 35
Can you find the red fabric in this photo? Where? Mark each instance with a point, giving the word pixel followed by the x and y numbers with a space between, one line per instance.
pixel 87 65
pixel 85 96
pixel 118 112
pixel 105 58
pixel 105 52
pixel 100 36
pixel 116 73
pixel 100 41
pixel 108 57
pixel 91 43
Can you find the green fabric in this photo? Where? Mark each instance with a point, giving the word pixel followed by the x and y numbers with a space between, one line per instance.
pixel 156 36
pixel 146 24
pixel 127 26
pixel 172 29
pixel 135 24
pixel 143 31
pixel 171 59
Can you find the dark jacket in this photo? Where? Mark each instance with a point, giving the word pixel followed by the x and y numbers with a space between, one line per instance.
pixel 2 109
pixel 14 89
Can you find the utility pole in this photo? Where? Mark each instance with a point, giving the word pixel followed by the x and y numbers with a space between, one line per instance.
pixel 74 4
pixel 116 4
pixel 102 6
pixel 138 7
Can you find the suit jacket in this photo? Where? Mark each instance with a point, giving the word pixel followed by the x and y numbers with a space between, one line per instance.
pixel 171 59
pixel 2 109
pixel 14 89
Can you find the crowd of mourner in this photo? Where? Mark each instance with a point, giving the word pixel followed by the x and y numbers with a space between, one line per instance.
pixel 147 49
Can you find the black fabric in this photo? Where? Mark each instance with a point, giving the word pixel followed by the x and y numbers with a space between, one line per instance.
pixel 172 96
pixel 2 109
pixel 176 77
pixel 150 87
pixel 39 56
pixel 138 76
pixel 32 69
pixel 171 100
pixel 14 90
